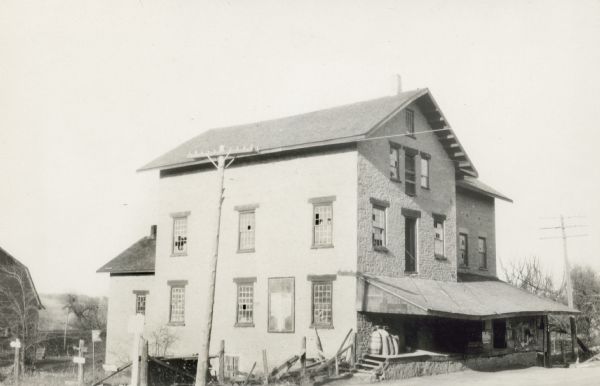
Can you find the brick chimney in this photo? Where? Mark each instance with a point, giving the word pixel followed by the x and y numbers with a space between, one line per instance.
pixel 153 232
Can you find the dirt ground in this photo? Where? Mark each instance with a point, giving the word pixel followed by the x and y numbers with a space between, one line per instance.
pixel 534 376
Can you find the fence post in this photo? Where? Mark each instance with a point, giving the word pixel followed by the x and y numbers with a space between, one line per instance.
pixel 17 346
pixel 80 364
pixel 265 367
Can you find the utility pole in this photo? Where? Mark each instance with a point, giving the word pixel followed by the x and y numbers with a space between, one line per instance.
pixel 222 156
pixel 569 283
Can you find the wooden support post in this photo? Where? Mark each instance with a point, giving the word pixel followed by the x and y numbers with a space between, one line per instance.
pixel 303 358
pixel 337 366
pixel 265 367
pixel 80 364
pixel 548 353
pixel 574 356
pixel 144 363
pixel 562 351
pixel 222 362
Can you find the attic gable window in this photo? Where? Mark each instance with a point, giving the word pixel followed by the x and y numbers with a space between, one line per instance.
pixel 180 241
pixel 394 162
pixel 410 121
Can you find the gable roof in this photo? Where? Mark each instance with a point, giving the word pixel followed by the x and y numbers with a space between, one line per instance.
pixel 138 258
pixel 343 124
pixel 465 300
pixel 6 259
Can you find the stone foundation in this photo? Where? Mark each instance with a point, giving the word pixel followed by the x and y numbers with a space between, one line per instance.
pixel 403 368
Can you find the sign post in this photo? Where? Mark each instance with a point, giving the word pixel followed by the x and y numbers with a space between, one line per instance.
pixel 135 327
pixel 95 338
pixel 80 360
pixel 16 344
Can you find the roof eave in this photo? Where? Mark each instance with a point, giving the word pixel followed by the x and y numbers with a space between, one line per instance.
pixel 485 192
pixel 283 149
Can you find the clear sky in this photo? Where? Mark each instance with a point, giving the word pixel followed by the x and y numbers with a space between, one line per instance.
pixel 92 90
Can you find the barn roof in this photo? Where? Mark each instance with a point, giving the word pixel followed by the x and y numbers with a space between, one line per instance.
pixel 138 258
pixel 343 124
pixel 464 300
pixel 7 259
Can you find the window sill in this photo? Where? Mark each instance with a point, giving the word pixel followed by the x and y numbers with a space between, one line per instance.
pixel 425 187
pixel 178 254
pixel 321 246
pixel 243 325
pixel 410 272
pixel 483 269
pixel 246 250
pixel 440 257
pixel 176 324
pixel 380 249
pixel 321 326
pixel 396 180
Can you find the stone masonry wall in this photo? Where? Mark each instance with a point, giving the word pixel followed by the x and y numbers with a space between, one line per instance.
pixel 374 183
pixel 476 218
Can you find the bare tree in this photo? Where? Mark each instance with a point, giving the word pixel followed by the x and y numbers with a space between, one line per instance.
pixel 90 313
pixel 161 339
pixel 586 298
pixel 19 306
pixel 528 274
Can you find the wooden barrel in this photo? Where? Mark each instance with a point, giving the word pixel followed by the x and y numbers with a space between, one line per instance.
pixel 375 343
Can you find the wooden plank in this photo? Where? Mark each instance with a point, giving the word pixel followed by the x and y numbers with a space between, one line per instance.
pixel 172 368
pixel 249 374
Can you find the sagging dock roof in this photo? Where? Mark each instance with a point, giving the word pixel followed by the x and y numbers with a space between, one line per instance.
pixel 477 300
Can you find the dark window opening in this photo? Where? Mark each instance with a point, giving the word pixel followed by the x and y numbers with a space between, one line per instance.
pixel 410 121
pixel 410 244
pixel 463 250
pixel 499 330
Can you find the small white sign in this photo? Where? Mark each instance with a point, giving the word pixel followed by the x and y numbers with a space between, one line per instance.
pixel 15 344
pixel 96 336
pixel 79 360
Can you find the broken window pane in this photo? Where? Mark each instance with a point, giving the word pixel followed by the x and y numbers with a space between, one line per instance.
pixel 245 306
pixel 180 235
pixel 323 228
pixel 378 234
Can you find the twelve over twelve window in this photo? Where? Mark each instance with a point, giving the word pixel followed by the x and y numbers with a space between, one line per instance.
pixel 323 224
pixel 321 303
pixel 246 231
pixel 180 235
pixel 463 250
pixel 245 303
pixel 424 172
pixel 482 249
pixel 409 173
pixel 378 234
pixel 438 224
pixel 177 314
pixel 140 303
pixel 394 162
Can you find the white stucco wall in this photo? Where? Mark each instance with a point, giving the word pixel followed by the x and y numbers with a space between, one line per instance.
pixel 281 188
pixel 121 307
